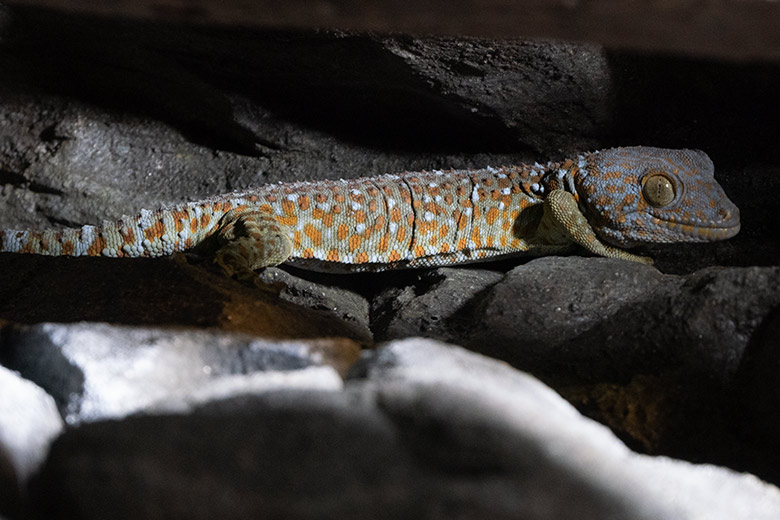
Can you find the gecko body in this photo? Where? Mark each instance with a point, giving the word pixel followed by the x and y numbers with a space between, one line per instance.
pixel 603 201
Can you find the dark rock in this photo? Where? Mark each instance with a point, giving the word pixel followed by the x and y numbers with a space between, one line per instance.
pixel 429 431
pixel 151 292
pixel 430 306
pixel 96 371
pixel 347 306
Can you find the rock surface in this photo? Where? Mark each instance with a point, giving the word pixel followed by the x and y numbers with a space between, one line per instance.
pixel 29 422
pixel 421 430
pixel 96 371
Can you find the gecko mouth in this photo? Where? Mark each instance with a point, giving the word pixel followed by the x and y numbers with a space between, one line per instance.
pixel 704 231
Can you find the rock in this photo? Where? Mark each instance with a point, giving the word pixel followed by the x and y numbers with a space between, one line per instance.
pixel 347 306
pixel 422 430
pixel 428 307
pixel 97 371
pixel 152 292
pixel 29 422
pixel 756 400
pixel 526 97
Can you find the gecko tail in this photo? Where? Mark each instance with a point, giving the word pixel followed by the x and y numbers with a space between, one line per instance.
pixel 82 241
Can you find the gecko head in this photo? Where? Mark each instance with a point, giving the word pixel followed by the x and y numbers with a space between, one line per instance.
pixel 638 195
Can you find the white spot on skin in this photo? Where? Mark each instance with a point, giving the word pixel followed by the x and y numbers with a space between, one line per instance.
pixel 292 197
pixel 356 206
pixel 359 228
pixel 428 217
pixel 390 203
pixel 506 191
pixel 393 227
pixel 433 184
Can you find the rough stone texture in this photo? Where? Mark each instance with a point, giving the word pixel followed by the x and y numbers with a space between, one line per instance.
pixel 96 371
pixel 424 431
pixel 430 306
pixel 147 292
pixel 346 306
pixel 654 356
pixel 730 28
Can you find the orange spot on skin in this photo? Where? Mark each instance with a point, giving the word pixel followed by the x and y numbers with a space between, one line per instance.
pixel 271 198
pixel 394 256
pixel 333 255
pixel 372 205
pixel 476 237
pixel 313 234
pixel 128 235
pixel 297 239
pixel 443 230
pixel 266 208
pixel 400 234
pixel 419 251
pixel 491 216
pixel 321 197
pixel 342 232
pixel 354 242
pixel 307 253
pixel 445 248
pixel 339 197
pixel 379 224
pixel 360 216
pixel 336 209
pixel 395 215
pixel 502 241
pixel 327 220
pixel 448 198
pixel 290 221
pixel 157 230
pixel 193 225
pixel 288 207
pixel 462 244
pixel 205 218
pixel 361 258
pixel 303 202
pixel 489 241
pixel 383 243
pixel 97 246
pixel 67 247
pixel 317 213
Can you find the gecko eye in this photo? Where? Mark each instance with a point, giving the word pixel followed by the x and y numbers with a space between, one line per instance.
pixel 658 190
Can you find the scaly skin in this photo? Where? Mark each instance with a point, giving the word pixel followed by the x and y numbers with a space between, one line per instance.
pixel 604 201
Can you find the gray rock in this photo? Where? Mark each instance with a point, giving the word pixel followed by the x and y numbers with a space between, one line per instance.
pixel 423 430
pixel 553 97
pixel 347 306
pixel 29 421
pixel 597 318
pixel 97 371
pixel 429 307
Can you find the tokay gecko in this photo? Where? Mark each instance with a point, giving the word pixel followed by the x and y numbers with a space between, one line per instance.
pixel 603 201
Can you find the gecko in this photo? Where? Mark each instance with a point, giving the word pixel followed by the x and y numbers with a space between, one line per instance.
pixel 605 202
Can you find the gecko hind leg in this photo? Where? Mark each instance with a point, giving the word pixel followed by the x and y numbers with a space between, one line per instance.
pixel 250 240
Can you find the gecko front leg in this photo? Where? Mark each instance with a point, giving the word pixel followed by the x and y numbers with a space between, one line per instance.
pixel 250 240
pixel 562 212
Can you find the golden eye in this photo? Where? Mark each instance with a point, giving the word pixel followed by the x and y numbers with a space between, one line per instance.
pixel 658 190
